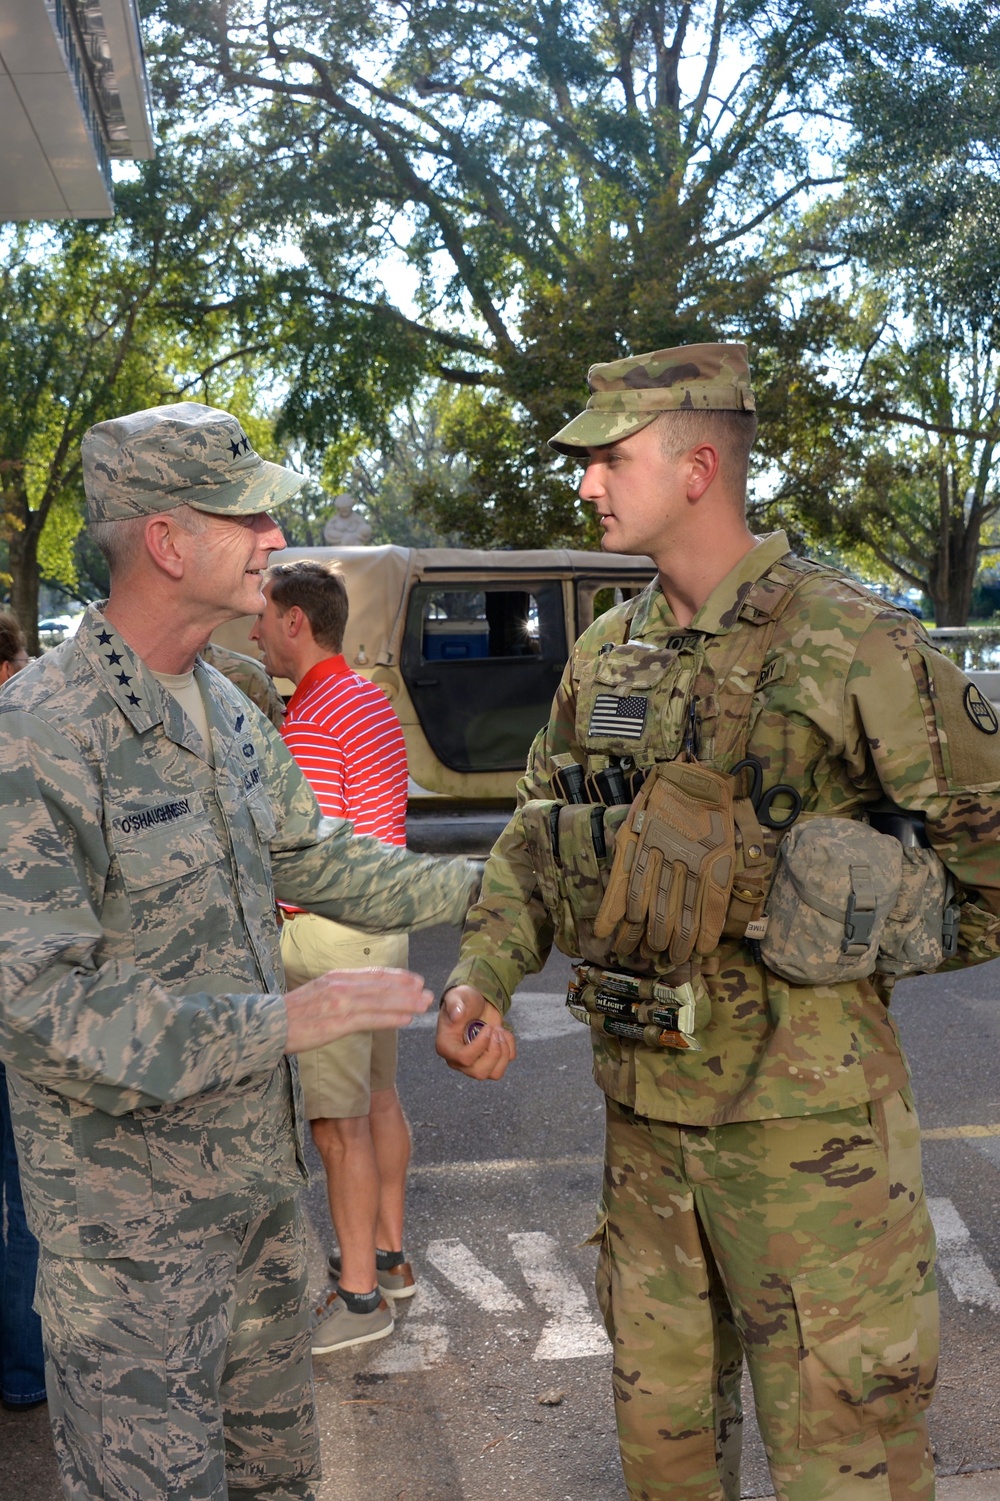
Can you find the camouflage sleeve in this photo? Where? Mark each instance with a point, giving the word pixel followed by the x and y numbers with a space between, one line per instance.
pixel 508 933
pixel 86 1027
pixel 320 864
pixel 935 746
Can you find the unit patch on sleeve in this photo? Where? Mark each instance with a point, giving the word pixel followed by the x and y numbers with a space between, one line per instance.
pixel 621 717
pixel 980 711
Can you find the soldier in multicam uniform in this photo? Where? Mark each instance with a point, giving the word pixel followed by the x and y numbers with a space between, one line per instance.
pixel 151 817
pixel 740 928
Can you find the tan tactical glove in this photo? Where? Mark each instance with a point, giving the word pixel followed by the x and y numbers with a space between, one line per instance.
pixel 674 862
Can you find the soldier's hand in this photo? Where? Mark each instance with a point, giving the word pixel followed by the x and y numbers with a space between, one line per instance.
pixel 352 1000
pixel 490 1051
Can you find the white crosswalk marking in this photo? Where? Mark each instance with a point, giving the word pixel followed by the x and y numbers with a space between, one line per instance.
pixel 456 1262
pixel 414 1347
pixel 961 1265
pixel 421 1338
pixel 537 1016
pixel 426 1301
pixel 571 1330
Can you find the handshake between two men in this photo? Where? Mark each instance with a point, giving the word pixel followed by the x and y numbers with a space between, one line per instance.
pixel 371 1000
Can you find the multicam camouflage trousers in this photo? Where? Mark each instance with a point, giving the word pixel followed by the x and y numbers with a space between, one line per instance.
pixel 803 1246
pixel 187 1376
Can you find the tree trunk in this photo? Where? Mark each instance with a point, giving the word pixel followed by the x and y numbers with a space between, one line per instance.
pixel 951 579
pixel 23 565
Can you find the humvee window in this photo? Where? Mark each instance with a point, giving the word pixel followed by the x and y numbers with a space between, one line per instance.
pixel 595 599
pixel 481 665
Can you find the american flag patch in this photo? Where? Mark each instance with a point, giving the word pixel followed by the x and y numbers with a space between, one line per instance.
pixel 622 717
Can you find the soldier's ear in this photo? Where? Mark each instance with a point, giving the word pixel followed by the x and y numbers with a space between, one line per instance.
pixel 703 465
pixel 159 533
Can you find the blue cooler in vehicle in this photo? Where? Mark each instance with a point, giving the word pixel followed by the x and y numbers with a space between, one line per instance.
pixel 456 640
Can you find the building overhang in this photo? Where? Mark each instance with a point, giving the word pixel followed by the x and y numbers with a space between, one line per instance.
pixel 73 97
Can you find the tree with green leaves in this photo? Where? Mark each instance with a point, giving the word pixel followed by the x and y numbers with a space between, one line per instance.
pixel 488 197
pixel 888 441
pixel 558 182
pixel 97 319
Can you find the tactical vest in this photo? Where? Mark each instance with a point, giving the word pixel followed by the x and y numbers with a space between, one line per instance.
pixel 637 706
pixel 846 899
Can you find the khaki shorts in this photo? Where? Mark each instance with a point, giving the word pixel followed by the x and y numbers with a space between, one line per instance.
pixel 338 1080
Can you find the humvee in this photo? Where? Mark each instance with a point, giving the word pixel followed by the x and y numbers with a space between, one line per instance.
pixel 469 648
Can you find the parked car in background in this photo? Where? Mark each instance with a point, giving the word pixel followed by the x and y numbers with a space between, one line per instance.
pixel 54 629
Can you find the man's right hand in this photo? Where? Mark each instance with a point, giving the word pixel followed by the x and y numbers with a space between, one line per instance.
pixel 351 1000
pixel 490 1051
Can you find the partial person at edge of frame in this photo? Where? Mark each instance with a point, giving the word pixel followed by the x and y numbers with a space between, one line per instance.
pixel 22 1363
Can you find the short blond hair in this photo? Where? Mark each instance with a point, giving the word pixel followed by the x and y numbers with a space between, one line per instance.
pixel 732 433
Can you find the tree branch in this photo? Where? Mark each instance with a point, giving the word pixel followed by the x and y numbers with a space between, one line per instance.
pixel 771 208
pixel 873 410
pixel 457 342
pixel 419 190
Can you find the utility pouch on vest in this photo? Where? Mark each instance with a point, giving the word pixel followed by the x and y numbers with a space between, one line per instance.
pixel 540 823
pixel 922 929
pixel 915 932
pixel 674 863
pixel 571 847
pixel 756 848
pixel 836 883
pixel 977 933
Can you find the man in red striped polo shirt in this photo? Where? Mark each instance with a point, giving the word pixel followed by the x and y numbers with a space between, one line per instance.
pixel 348 743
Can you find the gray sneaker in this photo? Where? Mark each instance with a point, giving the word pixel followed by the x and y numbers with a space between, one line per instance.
pixel 397 1283
pixel 335 1327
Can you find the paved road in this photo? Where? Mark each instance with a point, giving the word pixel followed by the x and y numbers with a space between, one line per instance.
pixel 502 1196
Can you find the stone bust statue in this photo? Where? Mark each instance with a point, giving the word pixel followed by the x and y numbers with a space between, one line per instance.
pixel 346 528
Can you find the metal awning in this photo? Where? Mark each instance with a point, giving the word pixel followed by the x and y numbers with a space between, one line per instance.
pixel 73 96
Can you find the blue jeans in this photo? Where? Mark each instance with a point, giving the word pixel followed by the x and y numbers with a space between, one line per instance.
pixel 22 1367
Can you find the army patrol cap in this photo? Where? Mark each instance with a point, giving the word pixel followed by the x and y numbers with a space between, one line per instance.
pixel 626 395
pixel 186 454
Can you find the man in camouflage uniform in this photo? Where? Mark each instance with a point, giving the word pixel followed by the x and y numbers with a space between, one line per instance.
pixel 151 817
pixel 762 1190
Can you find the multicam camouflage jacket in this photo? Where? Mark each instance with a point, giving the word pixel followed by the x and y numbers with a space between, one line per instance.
pixel 848 703
pixel 141 1017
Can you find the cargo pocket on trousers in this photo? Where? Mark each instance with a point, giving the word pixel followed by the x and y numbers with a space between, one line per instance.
pixel 602 1280
pixel 868 1332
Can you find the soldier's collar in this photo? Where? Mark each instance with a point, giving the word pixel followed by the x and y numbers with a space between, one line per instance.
pixel 727 601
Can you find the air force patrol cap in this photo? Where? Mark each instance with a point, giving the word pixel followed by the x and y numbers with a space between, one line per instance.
pixel 627 395
pixel 186 454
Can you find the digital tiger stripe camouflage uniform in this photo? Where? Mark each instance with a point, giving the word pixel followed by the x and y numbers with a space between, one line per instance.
pixel 143 1027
